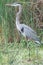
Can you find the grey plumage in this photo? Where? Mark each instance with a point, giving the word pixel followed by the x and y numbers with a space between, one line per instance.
pixel 25 30
pixel 28 32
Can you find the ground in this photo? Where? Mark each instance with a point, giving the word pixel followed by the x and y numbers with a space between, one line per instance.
pixel 16 54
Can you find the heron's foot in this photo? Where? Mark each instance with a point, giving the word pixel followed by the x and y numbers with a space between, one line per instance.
pixel 29 59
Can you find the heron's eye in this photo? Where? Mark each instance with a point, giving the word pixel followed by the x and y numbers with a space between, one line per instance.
pixel 22 29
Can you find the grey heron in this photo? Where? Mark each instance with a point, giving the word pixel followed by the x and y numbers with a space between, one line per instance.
pixel 25 30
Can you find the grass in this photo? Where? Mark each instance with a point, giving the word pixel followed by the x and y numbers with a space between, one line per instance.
pixel 16 54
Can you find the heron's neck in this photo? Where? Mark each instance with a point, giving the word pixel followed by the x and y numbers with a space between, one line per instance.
pixel 18 15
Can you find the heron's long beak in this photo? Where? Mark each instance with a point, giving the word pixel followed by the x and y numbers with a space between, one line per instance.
pixel 8 4
pixel 14 4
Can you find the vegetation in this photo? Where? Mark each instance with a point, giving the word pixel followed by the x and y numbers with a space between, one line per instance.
pixel 12 52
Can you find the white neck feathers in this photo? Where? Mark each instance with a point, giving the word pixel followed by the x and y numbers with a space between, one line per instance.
pixel 18 15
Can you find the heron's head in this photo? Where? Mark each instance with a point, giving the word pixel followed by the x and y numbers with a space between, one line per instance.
pixel 13 4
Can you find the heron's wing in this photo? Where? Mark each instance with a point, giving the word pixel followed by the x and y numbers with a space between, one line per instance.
pixel 29 32
pixel 29 28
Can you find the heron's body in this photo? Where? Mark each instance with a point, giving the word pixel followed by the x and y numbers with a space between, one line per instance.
pixel 25 30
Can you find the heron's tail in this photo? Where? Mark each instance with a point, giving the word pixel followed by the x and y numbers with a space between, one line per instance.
pixel 37 42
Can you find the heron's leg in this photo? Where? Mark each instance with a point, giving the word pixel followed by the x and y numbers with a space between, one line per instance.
pixel 37 50
pixel 37 53
pixel 28 46
pixel 29 50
